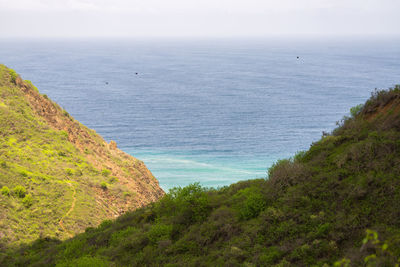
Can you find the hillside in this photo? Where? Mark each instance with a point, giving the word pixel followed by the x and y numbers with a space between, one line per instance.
pixel 57 177
pixel 336 204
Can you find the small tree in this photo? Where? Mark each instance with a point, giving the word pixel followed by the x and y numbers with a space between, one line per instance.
pixel 354 111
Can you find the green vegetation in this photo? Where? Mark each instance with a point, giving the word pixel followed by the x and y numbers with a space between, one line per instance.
pixel 5 191
pixel 354 111
pixel 336 204
pixel 105 172
pixel 27 200
pixel 113 179
pixel 30 85
pixel 104 185
pixel 44 177
pixel 33 159
pixel 13 75
pixel 19 191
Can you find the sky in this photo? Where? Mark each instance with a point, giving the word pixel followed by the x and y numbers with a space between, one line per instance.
pixel 198 18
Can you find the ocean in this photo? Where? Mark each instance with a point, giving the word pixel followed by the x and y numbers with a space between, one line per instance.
pixel 209 111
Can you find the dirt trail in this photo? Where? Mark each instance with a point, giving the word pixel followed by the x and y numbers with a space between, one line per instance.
pixel 69 212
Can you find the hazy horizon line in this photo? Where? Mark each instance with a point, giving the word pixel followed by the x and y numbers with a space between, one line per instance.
pixel 212 37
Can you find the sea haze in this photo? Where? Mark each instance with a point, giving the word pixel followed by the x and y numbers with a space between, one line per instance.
pixel 211 111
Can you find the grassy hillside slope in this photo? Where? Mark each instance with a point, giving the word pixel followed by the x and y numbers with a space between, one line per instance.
pixel 58 177
pixel 336 204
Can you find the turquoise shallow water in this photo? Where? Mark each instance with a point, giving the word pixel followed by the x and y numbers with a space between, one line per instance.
pixel 186 167
pixel 213 111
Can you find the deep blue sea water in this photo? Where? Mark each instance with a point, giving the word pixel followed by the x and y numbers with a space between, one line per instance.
pixel 213 111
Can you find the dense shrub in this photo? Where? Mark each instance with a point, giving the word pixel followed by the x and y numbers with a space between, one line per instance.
pixel 285 173
pixel 270 256
pixel 250 202
pixel 85 261
pixel 19 191
pixel 159 232
pixel 118 237
pixel 186 205
pixel 74 248
pixel 380 98
pixel 253 205
pixel 5 191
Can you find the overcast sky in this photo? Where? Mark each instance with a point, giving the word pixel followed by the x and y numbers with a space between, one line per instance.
pixel 197 18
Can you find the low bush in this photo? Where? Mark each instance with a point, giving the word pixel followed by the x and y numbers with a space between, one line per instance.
pixel 104 185
pixel 27 201
pixel 19 191
pixel 105 172
pixel 13 75
pixel 5 191
pixel 113 179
